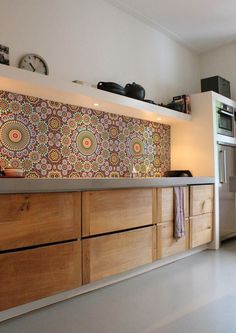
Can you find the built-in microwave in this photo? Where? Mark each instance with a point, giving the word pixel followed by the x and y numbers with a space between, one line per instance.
pixel 225 119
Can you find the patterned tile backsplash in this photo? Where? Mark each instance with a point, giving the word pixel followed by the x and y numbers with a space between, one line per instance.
pixel 54 140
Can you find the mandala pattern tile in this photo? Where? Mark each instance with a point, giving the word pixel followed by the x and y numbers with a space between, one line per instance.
pixel 86 143
pixel 49 139
pixel 14 135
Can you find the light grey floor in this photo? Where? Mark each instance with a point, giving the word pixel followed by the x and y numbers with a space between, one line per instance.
pixel 197 294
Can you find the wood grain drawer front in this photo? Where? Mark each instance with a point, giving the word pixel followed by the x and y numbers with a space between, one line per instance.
pixel 112 254
pixel 201 199
pixel 29 275
pixel 167 245
pixel 201 229
pixel 31 219
pixel 114 210
pixel 165 204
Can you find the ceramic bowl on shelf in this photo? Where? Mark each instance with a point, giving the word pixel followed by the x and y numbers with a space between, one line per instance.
pixel 12 172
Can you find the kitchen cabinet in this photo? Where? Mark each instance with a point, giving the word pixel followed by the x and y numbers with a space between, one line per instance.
pixel 53 242
pixel 167 245
pixel 28 275
pixel 165 204
pixel 33 219
pixel 201 199
pixel 114 210
pixel 107 255
pixel 201 214
pixel 201 229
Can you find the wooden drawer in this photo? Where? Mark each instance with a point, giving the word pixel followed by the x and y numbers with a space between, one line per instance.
pixel 107 211
pixel 167 245
pixel 165 204
pixel 111 254
pixel 31 219
pixel 201 229
pixel 201 199
pixel 29 275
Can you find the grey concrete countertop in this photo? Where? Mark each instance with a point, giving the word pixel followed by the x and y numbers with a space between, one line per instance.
pixel 25 185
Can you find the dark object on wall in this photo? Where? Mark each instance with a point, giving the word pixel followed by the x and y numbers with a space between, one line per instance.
pixel 178 173
pixel 174 106
pixel 217 84
pixel 181 103
pixel 134 90
pixel 111 87
pixel 184 102
pixel 150 101
pixel 4 55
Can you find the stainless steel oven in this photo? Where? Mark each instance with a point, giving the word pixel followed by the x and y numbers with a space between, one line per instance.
pixel 225 119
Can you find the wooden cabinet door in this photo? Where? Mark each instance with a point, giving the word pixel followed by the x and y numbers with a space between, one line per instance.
pixel 32 219
pixel 201 199
pixel 201 229
pixel 112 254
pixel 165 204
pixel 167 245
pixel 114 210
pixel 28 275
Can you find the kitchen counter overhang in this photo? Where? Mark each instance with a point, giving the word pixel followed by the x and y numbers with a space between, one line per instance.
pixel 19 185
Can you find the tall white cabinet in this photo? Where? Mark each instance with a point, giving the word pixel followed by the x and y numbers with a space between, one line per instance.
pixel 195 147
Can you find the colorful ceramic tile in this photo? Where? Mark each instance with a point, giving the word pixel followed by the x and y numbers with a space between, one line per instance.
pixel 55 140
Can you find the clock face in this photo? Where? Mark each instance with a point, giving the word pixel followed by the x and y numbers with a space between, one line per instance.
pixel 34 63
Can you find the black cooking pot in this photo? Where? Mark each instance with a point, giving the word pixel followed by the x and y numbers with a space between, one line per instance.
pixel 135 91
pixel 112 87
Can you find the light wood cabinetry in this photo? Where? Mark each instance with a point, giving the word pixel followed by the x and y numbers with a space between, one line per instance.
pixel 165 204
pixel 114 210
pixel 111 254
pixel 121 230
pixel 28 275
pixel 201 199
pixel 32 219
pixel 167 245
pixel 201 229
pixel 201 214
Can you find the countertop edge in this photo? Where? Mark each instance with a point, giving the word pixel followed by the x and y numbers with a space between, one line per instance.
pixel 26 185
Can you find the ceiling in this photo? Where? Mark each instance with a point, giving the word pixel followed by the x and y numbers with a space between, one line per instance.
pixel 200 24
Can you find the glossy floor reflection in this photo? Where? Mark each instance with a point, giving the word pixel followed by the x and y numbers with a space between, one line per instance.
pixel 196 294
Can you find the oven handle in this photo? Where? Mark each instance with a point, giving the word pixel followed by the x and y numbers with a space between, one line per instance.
pixel 226 113
pixel 223 167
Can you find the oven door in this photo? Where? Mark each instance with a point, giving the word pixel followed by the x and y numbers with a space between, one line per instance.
pixel 225 123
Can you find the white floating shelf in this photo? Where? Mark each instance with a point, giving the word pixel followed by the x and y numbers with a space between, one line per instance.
pixel 28 83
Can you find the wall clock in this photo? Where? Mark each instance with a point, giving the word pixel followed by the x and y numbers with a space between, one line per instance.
pixel 34 63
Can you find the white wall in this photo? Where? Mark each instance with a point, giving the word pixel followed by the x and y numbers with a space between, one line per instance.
pixel 192 143
pixel 91 40
pixel 222 62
